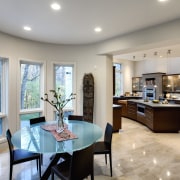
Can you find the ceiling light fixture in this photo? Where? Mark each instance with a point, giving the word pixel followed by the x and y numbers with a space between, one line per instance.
pixel 162 0
pixel 55 6
pixel 97 29
pixel 27 28
pixel 168 59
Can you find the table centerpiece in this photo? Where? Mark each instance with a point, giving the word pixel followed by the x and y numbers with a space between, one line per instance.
pixel 59 102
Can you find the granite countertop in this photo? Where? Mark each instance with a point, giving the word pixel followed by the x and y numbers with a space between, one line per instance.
pixel 159 105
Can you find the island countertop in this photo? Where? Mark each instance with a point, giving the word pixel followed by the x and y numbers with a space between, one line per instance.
pixel 157 116
pixel 154 105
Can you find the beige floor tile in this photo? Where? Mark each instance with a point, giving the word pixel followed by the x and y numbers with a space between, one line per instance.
pixel 138 154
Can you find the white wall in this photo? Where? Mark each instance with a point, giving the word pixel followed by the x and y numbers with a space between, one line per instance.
pixel 86 61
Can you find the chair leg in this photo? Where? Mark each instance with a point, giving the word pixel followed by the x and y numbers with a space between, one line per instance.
pixel 10 172
pixel 106 158
pixel 110 161
pixel 37 164
pixel 41 159
pixel 92 175
pixel 40 167
pixel 52 175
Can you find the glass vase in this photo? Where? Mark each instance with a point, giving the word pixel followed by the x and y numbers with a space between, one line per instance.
pixel 60 121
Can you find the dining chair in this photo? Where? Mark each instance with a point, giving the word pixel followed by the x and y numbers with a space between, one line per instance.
pixel 75 117
pixel 36 120
pixel 80 166
pixel 104 147
pixel 18 156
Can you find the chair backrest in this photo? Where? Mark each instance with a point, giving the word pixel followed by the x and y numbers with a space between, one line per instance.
pixel 11 147
pixel 75 117
pixel 82 163
pixel 108 134
pixel 37 120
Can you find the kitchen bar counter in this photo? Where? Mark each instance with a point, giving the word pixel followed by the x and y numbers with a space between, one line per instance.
pixel 159 105
pixel 156 116
pixel 122 100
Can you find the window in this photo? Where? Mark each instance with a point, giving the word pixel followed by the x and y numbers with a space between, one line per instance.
pixel 30 86
pixel 3 93
pixel 30 91
pixel 118 88
pixel 63 76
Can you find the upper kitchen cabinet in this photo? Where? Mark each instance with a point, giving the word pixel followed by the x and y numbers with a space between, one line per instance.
pixel 137 84
pixel 171 83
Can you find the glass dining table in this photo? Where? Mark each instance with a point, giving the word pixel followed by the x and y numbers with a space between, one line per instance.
pixel 40 140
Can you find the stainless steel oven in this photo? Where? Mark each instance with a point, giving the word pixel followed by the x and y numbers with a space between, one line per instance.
pixel 149 93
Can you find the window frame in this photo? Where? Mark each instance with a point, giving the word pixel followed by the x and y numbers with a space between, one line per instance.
pixel 121 78
pixel 4 95
pixel 42 87
pixel 73 64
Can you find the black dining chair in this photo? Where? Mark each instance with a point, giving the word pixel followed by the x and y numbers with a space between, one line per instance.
pixel 75 117
pixel 78 167
pixel 20 156
pixel 36 120
pixel 104 147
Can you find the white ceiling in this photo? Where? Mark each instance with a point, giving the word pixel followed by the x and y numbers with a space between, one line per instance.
pixel 75 22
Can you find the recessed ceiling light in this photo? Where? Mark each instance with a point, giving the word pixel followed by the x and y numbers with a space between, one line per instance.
pixel 97 29
pixel 27 28
pixel 163 0
pixel 55 6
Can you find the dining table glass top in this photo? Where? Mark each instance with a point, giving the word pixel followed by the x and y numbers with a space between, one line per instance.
pixel 36 139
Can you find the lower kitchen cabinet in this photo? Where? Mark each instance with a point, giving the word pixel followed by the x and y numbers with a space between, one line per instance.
pixel 132 110
pixel 149 116
pixel 117 111
pixel 159 118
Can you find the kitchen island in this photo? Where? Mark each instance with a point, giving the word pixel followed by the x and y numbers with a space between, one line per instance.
pixel 156 116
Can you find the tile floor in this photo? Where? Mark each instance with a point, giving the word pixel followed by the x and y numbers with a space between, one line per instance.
pixel 138 154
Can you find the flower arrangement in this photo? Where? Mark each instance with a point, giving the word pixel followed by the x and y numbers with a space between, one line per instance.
pixel 59 102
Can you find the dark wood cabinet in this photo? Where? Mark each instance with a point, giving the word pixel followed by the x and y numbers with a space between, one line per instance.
pixel 123 103
pixel 117 110
pixel 149 116
pixel 160 118
pixel 132 110
pixel 141 118
pixel 166 119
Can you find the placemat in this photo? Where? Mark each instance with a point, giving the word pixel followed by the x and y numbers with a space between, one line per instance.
pixel 52 127
pixel 65 135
